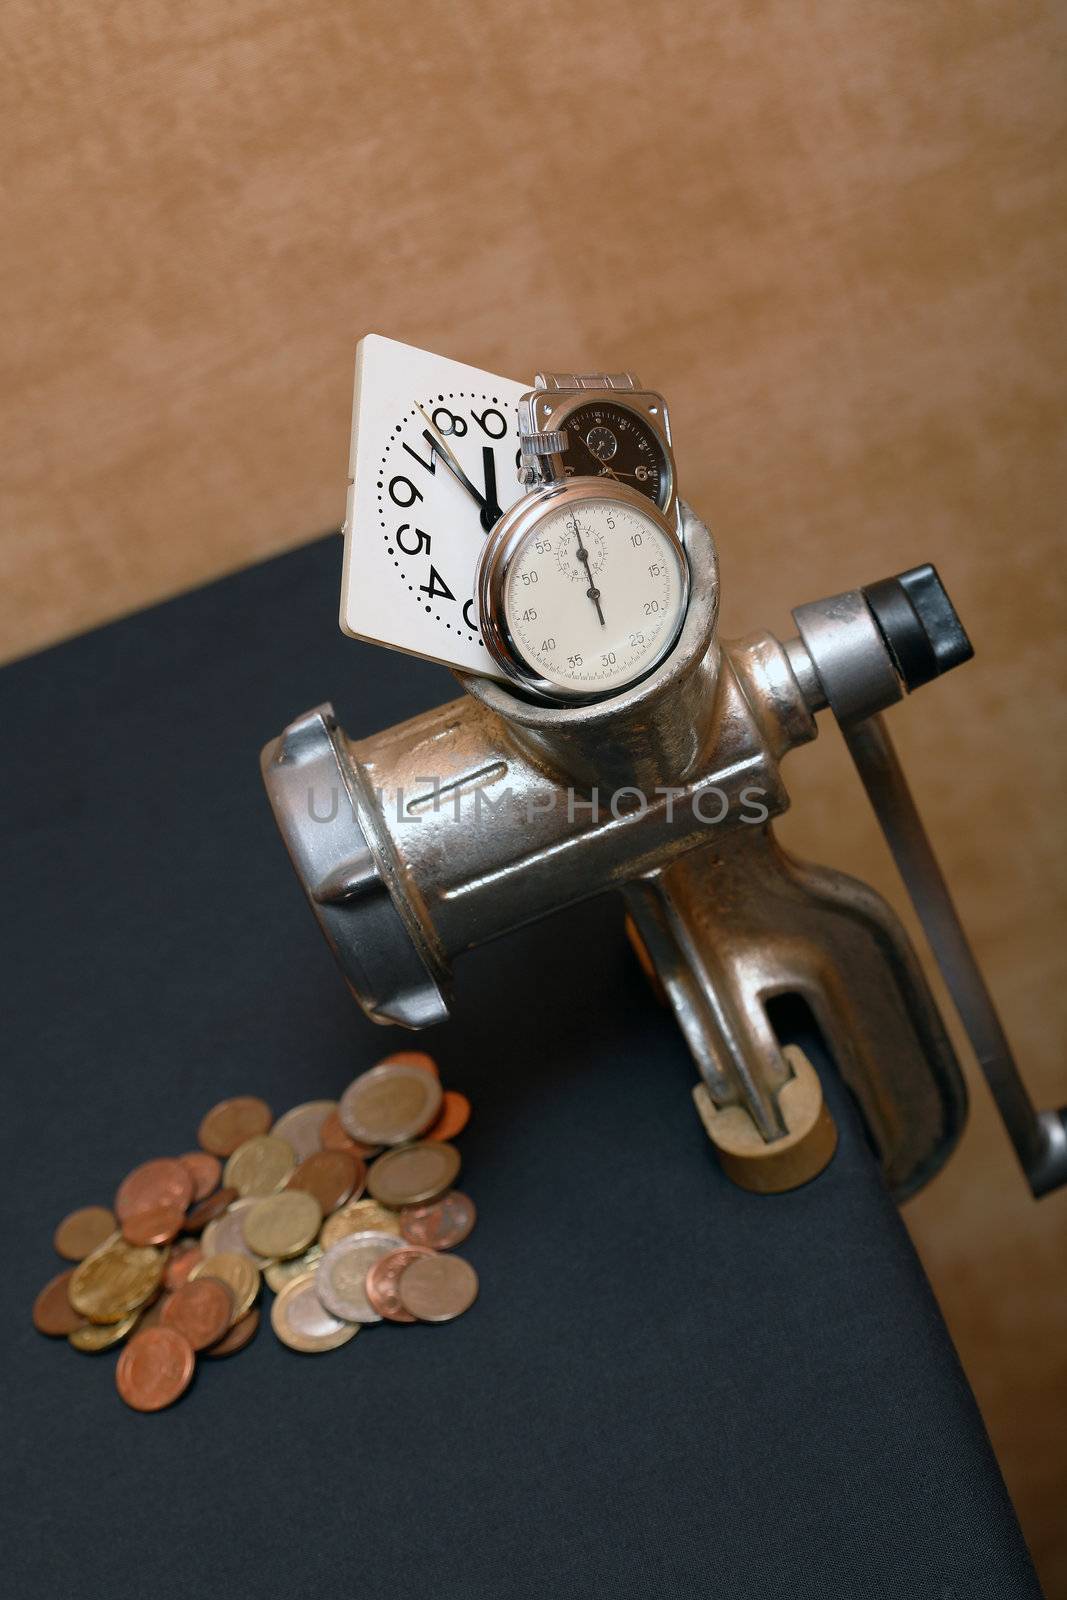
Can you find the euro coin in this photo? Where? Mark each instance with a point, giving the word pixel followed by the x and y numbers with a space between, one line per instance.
pixel 226 1234
pixel 259 1166
pixel 303 1323
pixel 232 1122
pixel 279 1273
pixel 204 1170
pixel 437 1288
pixel 301 1127
pixel 237 1273
pixel 242 1333
pixel 358 1216
pixel 283 1224
pixel 116 1279
pixel 163 1184
pixel 83 1232
pixel 93 1337
pixel 390 1104
pixel 53 1313
pixel 155 1368
pixel 454 1116
pixel 332 1176
pixel 202 1309
pixel 382 1280
pixel 413 1174
pixel 341 1279
pixel 441 1224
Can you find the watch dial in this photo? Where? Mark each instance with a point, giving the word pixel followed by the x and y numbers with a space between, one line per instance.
pixel 594 596
pixel 434 509
pixel 611 441
pixel 434 444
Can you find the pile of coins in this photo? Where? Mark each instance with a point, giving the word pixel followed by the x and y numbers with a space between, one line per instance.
pixel 343 1208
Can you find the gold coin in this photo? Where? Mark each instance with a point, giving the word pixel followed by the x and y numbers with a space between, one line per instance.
pixel 116 1279
pixel 259 1166
pixel 358 1216
pixel 225 1235
pixel 414 1173
pixel 239 1275
pixel 96 1336
pixel 390 1104
pixel 282 1225
pixel 279 1273
pixel 83 1232
pixel 303 1323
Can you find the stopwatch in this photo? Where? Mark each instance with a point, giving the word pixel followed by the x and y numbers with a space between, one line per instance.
pixel 582 588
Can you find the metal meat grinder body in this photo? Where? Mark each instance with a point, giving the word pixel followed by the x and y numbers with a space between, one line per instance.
pixel 492 811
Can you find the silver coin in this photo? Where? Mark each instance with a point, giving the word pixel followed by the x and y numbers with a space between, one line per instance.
pixel 341 1279
pixel 301 1128
pixel 301 1321
pixel 390 1104
pixel 225 1235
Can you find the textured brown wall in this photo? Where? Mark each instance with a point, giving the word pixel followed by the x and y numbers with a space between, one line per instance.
pixel 832 230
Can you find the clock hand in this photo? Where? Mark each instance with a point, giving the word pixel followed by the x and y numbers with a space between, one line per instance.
pixel 592 592
pixel 434 437
pixel 491 512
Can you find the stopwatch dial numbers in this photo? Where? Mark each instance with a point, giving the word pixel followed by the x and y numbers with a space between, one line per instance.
pixel 593 596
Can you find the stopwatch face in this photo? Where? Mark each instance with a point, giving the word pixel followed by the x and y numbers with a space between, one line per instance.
pixel 594 594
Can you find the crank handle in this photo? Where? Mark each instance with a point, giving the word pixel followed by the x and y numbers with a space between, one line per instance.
pixel 859 653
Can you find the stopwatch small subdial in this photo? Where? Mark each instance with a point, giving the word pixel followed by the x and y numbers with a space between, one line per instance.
pixel 567 558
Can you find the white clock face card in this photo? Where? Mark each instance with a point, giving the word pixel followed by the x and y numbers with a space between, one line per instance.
pixel 432 466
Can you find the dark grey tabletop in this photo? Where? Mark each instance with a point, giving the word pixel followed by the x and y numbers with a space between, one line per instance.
pixel 667 1388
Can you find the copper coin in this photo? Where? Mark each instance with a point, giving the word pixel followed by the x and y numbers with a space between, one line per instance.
pixel 242 1333
pixel 411 1058
pixel 205 1171
pixel 181 1263
pixel 198 1218
pixel 455 1114
pixel 334 1137
pixel 440 1225
pixel 150 1318
pixel 155 1184
pixel 83 1232
pixel 437 1288
pixel 231 1122
pixel 413 1174
pixel 332 1176
pixel 382 1279
pixel 158 1226
pixel 155 1368
pixel 52 1311
pixel 201 1309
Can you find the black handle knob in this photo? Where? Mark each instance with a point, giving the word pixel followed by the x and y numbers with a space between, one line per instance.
pixel 919 624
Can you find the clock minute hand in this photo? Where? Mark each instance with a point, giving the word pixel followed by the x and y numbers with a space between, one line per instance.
pixel 433 435
pixel 593 593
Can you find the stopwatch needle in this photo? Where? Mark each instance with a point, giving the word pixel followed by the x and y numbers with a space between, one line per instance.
pixel 592 592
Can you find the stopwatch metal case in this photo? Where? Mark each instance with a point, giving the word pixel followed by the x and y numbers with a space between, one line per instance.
pixel 502 546
pixel 547 411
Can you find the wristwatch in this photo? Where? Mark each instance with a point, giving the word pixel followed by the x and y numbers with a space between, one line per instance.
pixel 614 429
pixel 583 584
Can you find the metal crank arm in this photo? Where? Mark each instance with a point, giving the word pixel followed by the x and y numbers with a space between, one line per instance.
pixel 860 652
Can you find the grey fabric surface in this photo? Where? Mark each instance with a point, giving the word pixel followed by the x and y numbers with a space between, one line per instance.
pixel 667 1387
